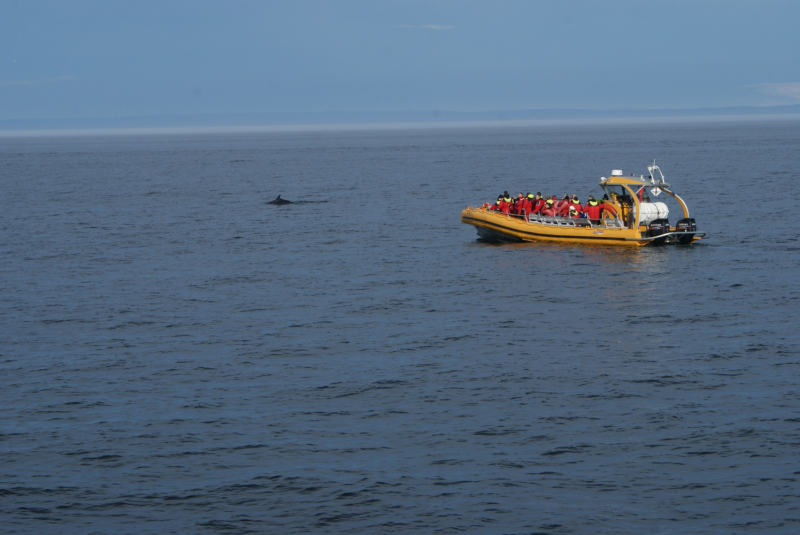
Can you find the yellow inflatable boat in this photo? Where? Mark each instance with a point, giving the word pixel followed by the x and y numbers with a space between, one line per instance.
pixel 630 221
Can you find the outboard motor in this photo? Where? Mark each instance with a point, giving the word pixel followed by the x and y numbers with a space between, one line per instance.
pixel 686 225
pixel 657 227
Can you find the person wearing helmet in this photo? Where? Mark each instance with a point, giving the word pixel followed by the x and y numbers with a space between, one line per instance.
pixel 527 204
pixel 573 212
pixel 549 209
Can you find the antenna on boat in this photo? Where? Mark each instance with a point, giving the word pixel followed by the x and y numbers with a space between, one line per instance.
pixel 652 168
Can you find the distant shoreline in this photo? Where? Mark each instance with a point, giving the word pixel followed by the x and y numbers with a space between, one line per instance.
pixel 270 123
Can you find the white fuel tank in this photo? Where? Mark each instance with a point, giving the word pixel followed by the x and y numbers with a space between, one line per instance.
pixel 652 211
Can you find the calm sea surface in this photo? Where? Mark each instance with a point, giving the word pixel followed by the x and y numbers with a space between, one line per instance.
pixel 178 356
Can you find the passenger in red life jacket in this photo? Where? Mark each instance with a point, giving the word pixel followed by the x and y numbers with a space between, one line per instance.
pixel 512 206
pixel 510 202
pixel 563 205
pixel 527 204
pixel 519 205
pixel 538 203
pixel 505 204
pixel 576 203
pixel 498 205
pixel 592 210
pixel 573 212
pixel 549 209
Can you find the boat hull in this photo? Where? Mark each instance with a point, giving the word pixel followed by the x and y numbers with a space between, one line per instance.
pixel 499 227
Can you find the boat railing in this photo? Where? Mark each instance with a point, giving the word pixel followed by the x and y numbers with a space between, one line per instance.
pixel 575 222
pixel 568 221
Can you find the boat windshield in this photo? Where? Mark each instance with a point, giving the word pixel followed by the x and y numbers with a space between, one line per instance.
pixel 619 190
pixel 616 190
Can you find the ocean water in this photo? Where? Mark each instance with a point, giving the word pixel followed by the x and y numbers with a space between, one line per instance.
pixel 178 356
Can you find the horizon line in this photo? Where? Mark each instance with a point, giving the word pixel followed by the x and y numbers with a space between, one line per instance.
pixel 433 112
pixel 443 125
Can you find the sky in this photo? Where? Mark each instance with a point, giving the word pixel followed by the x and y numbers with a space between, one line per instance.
pixel 109 58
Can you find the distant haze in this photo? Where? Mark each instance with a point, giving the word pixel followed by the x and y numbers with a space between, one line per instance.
pixel 102 59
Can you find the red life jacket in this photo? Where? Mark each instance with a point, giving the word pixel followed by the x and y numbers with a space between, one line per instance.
pixel 593 211
pixel 527 206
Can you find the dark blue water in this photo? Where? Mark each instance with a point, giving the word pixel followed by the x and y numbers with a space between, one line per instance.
pixel 178 356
